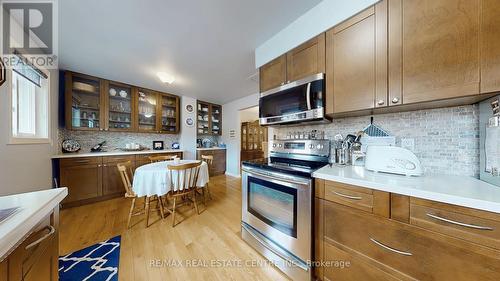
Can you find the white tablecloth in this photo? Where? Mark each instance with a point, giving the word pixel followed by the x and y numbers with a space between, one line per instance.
pixel 153 179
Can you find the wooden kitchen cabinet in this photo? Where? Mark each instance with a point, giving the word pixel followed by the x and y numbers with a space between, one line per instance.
pixel 209 119
pixel 356 61
pixel 490 40
pixel 304 60
pixel 36 262
pixel 219 164
pixel 434 49
pixel 111 179
pixel 97 104
pixel 408 244
pixel 82 176
pixel 273 74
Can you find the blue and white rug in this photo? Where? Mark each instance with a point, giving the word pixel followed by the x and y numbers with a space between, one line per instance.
pixel 98 262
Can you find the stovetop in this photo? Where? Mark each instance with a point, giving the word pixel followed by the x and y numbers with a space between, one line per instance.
pixel 288 166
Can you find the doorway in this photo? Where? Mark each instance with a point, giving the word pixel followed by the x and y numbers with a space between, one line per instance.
pixel 254 138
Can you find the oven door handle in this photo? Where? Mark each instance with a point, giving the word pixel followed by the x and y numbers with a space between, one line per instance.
pixel 281 179
pixel 308 96
pixel 274 251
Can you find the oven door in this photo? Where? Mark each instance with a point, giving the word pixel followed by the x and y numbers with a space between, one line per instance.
pixel 279 207
pixel 296 101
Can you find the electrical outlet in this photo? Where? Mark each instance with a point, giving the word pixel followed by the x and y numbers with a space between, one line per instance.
pixel 408 144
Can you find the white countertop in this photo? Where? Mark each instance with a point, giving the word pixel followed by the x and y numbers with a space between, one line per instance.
pixel 113 153
pixel 34 207
pixel 457 190
pixel 211 148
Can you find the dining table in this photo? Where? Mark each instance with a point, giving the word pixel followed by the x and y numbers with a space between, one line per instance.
pixel 154 179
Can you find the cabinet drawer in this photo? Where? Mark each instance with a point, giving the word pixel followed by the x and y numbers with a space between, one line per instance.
pixel 412 251
pixel 80 161
pixel 118 159
pixel 360 198
pixel 340 265
pixel 36 257
pixel 472 225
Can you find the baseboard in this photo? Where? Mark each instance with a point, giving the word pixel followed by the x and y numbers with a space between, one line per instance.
pixel 233 175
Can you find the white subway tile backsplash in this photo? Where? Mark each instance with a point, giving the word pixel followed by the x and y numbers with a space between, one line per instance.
pixel 446 140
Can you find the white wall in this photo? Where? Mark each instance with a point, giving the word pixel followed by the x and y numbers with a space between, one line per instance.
pixel 187 135
pixel 249 115
pixel 231 121
pixel 323 16
pixel 26 167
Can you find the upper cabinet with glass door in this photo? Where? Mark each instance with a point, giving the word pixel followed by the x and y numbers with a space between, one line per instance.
pixel 83 102
pixel 119 106
pixel 169 118
pixel 147 107
pixel 216 112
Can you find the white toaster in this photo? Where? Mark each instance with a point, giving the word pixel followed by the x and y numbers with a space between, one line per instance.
pixel 392 159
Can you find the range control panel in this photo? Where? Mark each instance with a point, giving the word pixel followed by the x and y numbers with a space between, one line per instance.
pixel 307 147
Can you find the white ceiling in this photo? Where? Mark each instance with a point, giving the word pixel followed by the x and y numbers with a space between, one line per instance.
pixel 208 45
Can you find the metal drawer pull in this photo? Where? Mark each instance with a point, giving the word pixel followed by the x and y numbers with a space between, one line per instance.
pixel 51 229
pixel 391 249
pixel 460 223
pixel 347 196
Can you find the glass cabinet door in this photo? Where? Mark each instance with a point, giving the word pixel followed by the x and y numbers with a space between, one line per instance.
pixel 146 110
pixel 85 94
pixel 203 118
pixel 244 136
pixel 119 106
pixel 169 114
pixel 216 113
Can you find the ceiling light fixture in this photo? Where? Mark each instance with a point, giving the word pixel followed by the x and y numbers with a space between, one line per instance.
pixel 165 77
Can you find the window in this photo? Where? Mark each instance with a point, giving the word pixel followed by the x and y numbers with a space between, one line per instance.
pixel 30 107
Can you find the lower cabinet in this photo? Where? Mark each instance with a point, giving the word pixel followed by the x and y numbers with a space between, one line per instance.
pixel 377 247
pixel 219 165
pixel 91 179
pixel 36 258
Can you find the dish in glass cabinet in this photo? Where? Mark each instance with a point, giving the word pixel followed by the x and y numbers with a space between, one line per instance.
pixel 112 92
pixel 123 94
pixel 70 146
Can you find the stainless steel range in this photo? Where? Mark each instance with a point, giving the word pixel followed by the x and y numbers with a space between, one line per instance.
pixel 277 204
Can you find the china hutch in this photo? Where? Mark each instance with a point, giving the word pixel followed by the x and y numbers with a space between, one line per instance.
pixel 97 104
pixel 252 137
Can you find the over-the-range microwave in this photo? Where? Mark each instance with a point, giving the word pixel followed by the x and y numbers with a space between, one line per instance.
pixel 298 101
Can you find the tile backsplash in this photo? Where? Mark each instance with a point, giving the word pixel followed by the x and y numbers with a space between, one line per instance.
pixel 446 139
pixel 114 140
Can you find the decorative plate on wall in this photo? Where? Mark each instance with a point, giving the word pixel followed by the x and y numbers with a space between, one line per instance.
pixel 2 73
pixel 189 108
pixel 189 122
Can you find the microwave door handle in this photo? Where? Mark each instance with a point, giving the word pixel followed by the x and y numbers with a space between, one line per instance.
pixel 308 96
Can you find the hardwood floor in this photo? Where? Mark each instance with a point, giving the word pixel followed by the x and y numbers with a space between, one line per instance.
pixel 208 245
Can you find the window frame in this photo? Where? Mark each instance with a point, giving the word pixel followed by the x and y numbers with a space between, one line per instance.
pixel 14 140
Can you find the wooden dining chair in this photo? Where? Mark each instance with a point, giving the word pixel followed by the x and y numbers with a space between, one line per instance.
pixel 209 159
pixel 183 179
pixel 126 174
pixel 161 158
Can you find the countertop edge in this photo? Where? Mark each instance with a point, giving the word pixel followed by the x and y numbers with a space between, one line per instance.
pixel 17 235
pixel 428 195
pixel 212 148
pixel 113 153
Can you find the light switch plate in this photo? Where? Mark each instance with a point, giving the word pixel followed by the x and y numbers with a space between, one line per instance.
pixel 408 144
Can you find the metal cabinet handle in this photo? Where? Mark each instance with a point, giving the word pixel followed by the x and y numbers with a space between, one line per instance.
pixel 395 100
pixel 347 196
pixel 99 165
pixel 380 102
pixel 288 81
pixel 391 249
pixel 460 223
pixel 282 83
pixel 51 229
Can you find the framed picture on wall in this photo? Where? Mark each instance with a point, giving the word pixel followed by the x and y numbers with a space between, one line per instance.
pixel 2 73
pixel 158 145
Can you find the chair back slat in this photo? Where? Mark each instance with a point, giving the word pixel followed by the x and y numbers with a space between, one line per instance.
pixel 186 176
pixel 161 158
pixel 209 159
pixel 126 174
